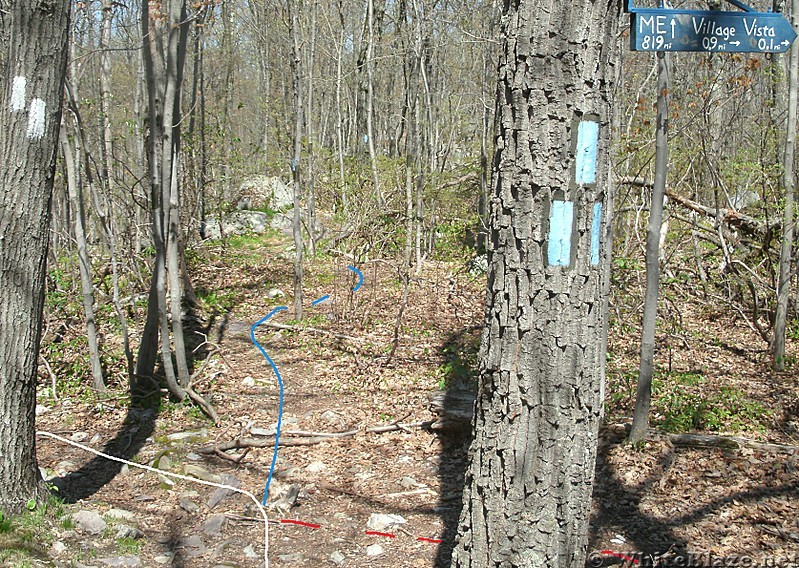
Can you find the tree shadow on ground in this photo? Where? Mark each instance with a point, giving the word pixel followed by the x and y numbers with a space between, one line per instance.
pixel 138 425
pixel 458 368
pixel 618 509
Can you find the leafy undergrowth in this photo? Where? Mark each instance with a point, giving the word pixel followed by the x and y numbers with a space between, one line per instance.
pixel 26 538
pixel 712 377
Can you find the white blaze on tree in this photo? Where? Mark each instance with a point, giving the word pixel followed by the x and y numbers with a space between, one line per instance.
pixel 528 487
pixel 37 118
pixel 18 93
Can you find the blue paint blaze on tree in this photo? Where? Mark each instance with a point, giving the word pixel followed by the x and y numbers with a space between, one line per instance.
pixel 596 225
pixel 561 218
pixel 587 141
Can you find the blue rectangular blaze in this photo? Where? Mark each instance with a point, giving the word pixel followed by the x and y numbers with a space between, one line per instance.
pixel 559 247
pixel 596 225
pixel 587 141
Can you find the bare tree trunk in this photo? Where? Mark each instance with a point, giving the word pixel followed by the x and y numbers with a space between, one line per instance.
pixel 227 134
pixel 310 185
pixel 107 148
pixel 646 368
pixel 161 100
pixel 370 139
pixel 75 189
pixel 789 182
pixel 340 122
pixel 176 57
pixel 30 116
pixel 296 70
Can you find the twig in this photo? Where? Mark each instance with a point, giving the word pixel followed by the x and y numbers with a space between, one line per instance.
pixel 50 372
pixel 235 459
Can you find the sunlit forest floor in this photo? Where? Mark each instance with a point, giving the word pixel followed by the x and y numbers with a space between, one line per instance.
pixel 663 499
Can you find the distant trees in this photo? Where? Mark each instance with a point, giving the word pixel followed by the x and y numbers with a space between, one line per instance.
pixel 30 115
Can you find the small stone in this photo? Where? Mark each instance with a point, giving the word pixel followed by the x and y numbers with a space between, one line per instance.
pixel 127 560
pixel 381 521
pixel 333 418
pixel 89 522
pixel 221 494
pixel 249 552
pixel 337 558
pixel 79 436
pixel 275 293
pixel 189 436
pixel 248 382
pixel 191 456
pixel 374 550
pixel 166 482
pixel 163 463
pixel 193 546
pixel 188 505
pixel 293 557
pixel 42 409
pixel 409 482
pixel 164 558
pixel 119 515
pixel 200 473
pixel 95 439
pixel 57 548
pixel 214 525
pixel 316 467
pixel 127 531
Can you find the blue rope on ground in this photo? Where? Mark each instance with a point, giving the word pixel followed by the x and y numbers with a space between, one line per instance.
pixel 280 385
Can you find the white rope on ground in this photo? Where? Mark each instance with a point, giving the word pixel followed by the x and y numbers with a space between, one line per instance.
pixel 176 475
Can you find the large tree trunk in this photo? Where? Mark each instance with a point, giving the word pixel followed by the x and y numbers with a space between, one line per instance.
pixel 30 115
pixel 528 488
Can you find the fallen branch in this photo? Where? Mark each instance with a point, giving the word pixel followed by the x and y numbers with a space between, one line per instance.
pixel 305 438
pixel 728 442
pixel 620 431
pixel 731 217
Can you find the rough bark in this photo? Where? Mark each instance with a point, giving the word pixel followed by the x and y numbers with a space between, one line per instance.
pixel 528 487
pixel 30 116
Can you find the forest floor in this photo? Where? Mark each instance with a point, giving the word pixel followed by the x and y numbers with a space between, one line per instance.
pixel 661 499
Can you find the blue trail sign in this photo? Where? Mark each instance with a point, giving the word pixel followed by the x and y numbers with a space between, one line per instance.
pixel 711 31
